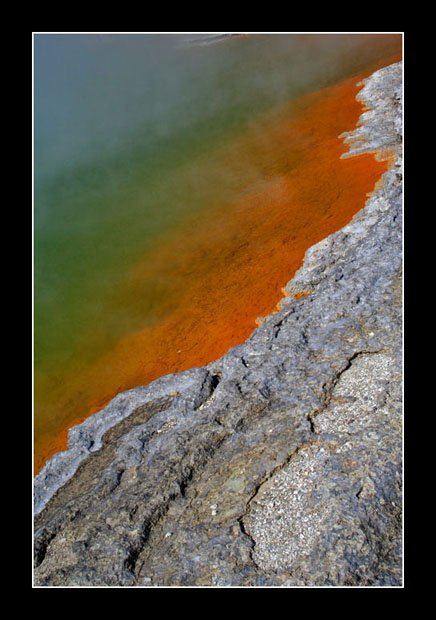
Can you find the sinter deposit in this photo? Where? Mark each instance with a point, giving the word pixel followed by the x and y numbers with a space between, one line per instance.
pixel 280 463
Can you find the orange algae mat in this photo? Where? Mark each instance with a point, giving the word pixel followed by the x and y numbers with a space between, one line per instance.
pixel 224 268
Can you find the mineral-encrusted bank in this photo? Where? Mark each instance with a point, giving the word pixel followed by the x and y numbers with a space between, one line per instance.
pixel 280 464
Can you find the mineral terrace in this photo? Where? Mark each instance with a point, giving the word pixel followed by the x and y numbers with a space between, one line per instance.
pixel 280 464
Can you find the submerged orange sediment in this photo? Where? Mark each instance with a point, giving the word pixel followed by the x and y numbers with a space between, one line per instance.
pixel 222 269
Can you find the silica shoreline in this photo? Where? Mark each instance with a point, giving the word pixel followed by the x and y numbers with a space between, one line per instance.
pixel 186 481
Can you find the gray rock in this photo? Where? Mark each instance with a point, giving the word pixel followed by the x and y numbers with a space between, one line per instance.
pixel 277 465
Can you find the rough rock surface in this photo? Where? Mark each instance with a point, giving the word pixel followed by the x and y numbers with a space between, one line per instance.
pixel 280 463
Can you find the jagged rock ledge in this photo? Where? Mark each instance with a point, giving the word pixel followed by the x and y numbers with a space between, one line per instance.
pixel 280 463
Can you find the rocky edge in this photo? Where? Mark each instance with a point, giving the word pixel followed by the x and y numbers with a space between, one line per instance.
pixel 280 464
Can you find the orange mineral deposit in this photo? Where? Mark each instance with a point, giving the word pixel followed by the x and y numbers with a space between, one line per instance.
pixel 222 268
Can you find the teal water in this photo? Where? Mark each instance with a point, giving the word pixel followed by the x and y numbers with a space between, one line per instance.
pixel 124 131
pixel 116 117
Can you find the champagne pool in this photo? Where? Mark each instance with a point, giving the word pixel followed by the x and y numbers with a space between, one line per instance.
pixel 178 181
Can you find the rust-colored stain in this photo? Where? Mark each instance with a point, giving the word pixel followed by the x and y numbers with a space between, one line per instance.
pixel 301 294
pixel 221 270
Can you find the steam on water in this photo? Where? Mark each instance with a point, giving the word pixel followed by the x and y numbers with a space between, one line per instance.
pixel 126 127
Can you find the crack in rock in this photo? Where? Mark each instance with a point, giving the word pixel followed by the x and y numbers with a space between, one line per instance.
pixel 339 487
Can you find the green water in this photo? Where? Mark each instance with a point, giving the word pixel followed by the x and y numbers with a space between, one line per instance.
pixel 123 129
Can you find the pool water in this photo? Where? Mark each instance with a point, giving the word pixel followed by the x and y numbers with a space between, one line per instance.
pixel 179 180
